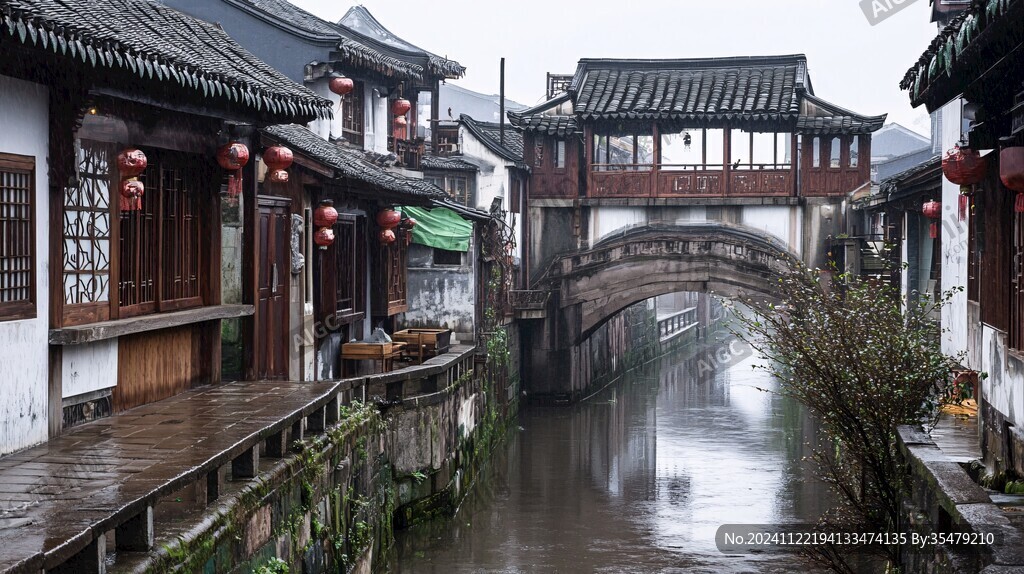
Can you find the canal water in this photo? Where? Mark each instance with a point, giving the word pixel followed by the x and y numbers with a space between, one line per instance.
pixel 637 479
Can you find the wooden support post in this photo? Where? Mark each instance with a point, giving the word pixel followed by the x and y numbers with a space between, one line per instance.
pixel 316 421
pixel 277 444
pixel 215 484
pixel 136 535
pixel 333 412
pixel 91 560
pixel 247 464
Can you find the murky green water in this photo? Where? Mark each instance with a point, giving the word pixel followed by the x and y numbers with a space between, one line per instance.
pixel 637 479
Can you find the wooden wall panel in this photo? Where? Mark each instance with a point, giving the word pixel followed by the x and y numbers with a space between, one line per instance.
pixel 160 364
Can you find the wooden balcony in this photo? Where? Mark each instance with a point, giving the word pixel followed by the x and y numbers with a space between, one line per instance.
pixel 653 181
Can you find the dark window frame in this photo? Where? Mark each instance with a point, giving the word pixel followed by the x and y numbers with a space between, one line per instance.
pixel 447 258
pixel 17 167
pixel 353 115
pixel 148 290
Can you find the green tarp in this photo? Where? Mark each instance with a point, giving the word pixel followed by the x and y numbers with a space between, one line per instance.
pixel 439 227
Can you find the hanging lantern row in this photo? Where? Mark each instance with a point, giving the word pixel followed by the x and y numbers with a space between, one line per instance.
pixel 324 217
pixel 1011 173
pixel 966 168
pixel 278 159
pixel 131 163
pixel 932 210
pixel 232 157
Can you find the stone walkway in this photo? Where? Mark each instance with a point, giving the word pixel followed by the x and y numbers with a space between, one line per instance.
pixel 59 498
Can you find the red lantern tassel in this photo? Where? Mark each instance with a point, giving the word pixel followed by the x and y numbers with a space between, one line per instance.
pixel 964 204
pixel 234 187
pixel 1018 206
pixel 934 230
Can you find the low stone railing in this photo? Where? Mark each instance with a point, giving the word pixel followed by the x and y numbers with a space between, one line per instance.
pixel 942 500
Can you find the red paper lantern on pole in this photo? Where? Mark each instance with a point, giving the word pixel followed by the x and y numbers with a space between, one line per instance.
pixel 131 162
pixel 323 237
pixel 389 219
pixel 1011 173
pixel 325 215
pixel 232 157
pixel 387 236
pixel 401 122
pixel 401 106
pixel 278 159
pixel 932 210
pixel 341 86
pixel 966 168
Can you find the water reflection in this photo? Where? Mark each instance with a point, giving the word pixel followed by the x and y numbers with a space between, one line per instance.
pixel 638 479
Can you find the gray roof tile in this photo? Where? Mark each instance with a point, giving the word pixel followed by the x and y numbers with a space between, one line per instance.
pixel 351 163
pixel 153 41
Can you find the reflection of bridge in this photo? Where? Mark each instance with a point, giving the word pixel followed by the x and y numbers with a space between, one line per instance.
pixel 587 287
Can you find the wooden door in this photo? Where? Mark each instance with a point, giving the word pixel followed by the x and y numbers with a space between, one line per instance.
pixel 271 320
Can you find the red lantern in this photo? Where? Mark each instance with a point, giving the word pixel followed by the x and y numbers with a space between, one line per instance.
pixel 325 215
pixel 389 219
pixel 131 162
pixel 233 157
pixel 966 168
pixel 932 210
pixel 387 236
pixel 400 107
pixel 278 157
pixel 1011 173
pixel 131 194
pixel 401 122
pixel 341 86
pixel 323 237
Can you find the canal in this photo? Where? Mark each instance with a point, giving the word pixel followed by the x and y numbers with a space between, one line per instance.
pixel 637 479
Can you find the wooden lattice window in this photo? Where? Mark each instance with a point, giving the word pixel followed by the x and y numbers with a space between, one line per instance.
pixel 86 231
pixel 17 228
pixel 161 257
pixel 391 269
pixel 352 127
pixel 351 251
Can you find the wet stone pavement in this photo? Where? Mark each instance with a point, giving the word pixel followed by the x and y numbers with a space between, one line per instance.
pixel 58 498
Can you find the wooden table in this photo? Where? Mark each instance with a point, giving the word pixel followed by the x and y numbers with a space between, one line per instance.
pixel 423 343
pixel 386 353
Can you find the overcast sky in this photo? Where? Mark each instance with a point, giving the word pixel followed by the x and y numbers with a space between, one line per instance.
pixel 852 64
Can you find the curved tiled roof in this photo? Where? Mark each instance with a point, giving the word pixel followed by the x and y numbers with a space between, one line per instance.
pixel 751 88
pixel 156 42
pixel 489 134
pixel 448 163
pixel 359 21
pixel 351 163
pixel 821 117
pixel 536 120
pixel 955 50
pixel 930 170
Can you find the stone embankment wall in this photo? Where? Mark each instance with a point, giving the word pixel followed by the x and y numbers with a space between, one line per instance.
pixel 406 453
pixel 942 499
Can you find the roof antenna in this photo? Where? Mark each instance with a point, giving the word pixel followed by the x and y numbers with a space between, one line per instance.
pixel 501 112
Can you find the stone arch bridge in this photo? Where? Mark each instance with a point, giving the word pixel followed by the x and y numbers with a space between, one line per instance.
pixel 582 289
